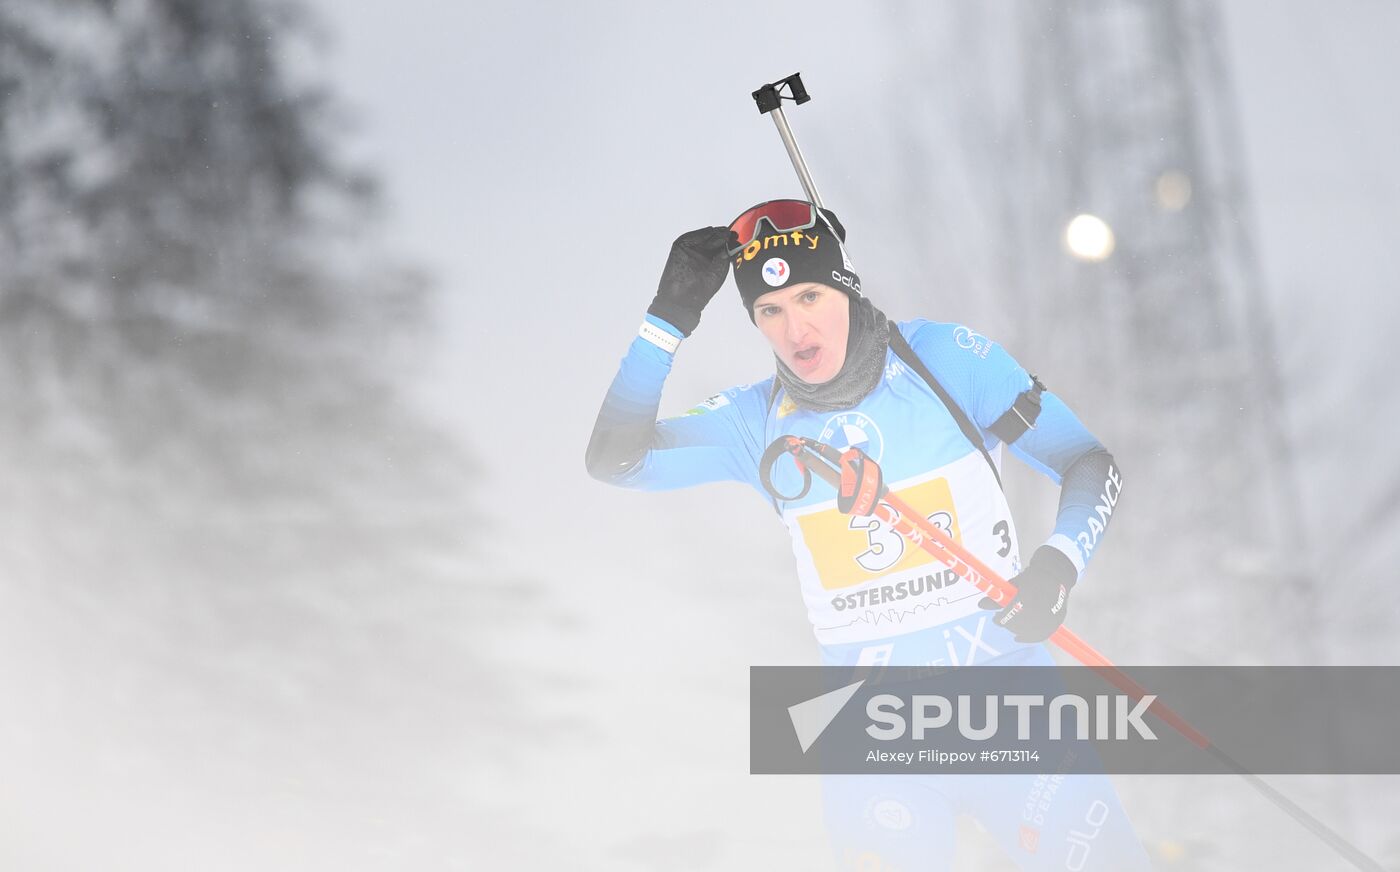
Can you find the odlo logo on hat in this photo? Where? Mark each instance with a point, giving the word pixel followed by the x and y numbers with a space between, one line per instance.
pixel 776 272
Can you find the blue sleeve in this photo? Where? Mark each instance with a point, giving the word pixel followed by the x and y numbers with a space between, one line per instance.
pixel 985 380
pixel 714 441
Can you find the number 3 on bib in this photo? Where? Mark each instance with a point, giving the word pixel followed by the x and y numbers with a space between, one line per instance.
pixel 887 546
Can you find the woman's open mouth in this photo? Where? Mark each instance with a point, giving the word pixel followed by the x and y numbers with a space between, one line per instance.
pixel 808 359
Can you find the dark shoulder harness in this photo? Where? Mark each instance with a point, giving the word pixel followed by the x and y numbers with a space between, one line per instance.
pixel 904 352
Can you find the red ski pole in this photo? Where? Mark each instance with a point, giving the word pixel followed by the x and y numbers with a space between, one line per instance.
pixel 908 522
pixel 861 490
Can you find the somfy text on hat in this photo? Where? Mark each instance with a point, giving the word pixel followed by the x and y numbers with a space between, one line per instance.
pixel 786 242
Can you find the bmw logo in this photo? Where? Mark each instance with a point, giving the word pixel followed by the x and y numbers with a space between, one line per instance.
pixel 854 430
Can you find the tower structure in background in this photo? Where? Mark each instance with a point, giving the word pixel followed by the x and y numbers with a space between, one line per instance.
pixel 1015 121
pixel 1128 115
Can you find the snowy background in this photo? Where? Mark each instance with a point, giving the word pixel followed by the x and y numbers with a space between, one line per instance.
pixel 306 310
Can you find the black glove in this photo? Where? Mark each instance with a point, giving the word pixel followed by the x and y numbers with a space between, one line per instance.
pixel 694 272
pixel 1042 596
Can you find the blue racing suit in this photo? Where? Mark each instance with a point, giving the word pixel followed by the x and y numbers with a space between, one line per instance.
pixel 871 598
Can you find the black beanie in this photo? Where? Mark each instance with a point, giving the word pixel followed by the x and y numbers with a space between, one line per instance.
pixel 776 260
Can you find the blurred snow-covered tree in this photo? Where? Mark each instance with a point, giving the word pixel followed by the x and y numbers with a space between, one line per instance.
pixel 225 522
pixel 188 311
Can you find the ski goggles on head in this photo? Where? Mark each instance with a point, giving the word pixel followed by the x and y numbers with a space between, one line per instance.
pixel 781 215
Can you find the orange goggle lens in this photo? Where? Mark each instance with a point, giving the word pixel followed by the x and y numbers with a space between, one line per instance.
pixel 781 216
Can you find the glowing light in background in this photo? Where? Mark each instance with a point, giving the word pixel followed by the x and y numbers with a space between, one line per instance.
pixel 1173 190
pixel 1089 237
